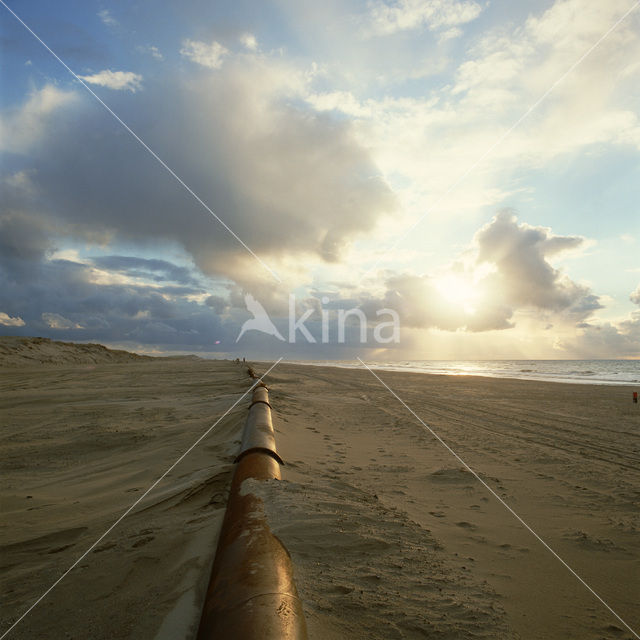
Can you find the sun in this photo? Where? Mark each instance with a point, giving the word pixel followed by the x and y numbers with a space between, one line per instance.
pixel 459 290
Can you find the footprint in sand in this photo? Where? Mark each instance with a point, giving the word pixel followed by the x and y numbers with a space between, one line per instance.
pixel 466 525
pixel 612 628
pixel 143 541
pixel 342 589
pixel 59 549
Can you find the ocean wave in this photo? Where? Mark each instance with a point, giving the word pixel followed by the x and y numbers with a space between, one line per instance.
pixel 607 372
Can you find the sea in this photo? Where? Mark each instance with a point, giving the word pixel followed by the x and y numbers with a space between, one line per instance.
pixel 616 372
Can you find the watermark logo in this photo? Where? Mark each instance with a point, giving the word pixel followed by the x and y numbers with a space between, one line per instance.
pixel 260 321
pixel 385 330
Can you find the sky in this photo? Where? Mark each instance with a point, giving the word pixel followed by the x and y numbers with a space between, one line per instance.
pixel 436 179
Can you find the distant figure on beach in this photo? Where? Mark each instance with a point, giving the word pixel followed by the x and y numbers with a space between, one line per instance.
pixel 243 360
pixel 260 321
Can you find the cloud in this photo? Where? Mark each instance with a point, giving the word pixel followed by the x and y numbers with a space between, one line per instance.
pixel 635 295
pixel 290 182
pixel 210 55
pixel 7 321
pixel 502 72
pixel 106 18
pixel 422 303
pixel 23 237
pixel 523 273
pixel 56 321
pixel 152 269
pixel 152 50
pixel 25 241
pixel 217 303
pixel 386 18
pixel 130 300
pixel 248 41
pixel 450 34
pixel 506 272
pixel 512 69
pixel 21 126
pixel 65 299
pixel 118 80
pixel 605 340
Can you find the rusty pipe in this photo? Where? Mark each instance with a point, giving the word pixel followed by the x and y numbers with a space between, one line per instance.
pixel 258 431
pixel 252 594
pixel 260 394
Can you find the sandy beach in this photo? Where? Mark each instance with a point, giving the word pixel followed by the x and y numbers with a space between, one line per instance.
pixel 390 536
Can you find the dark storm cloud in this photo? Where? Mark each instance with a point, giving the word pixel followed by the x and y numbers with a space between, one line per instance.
pixel 23 237
pixel 155 269
pixel 217 303
pixel 63 304
pixel 60 299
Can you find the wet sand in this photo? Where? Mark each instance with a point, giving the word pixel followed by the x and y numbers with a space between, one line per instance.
pixel 390 536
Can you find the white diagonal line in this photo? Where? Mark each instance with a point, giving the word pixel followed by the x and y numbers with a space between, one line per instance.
pixel 126 513
pixel 140 141
pixel 517 123
pixel 495 495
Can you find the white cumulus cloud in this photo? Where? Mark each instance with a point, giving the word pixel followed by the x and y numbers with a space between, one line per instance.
pixel 20 128
pixel 9 321
pixel 248 41
pixel 404 15
pixel 206 54
pixel 118 80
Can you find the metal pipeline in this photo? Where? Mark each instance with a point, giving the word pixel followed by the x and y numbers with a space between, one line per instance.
pixel 258 433
pixel 261 394
pixel 251 592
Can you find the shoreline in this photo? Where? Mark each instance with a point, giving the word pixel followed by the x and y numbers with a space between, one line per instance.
pixel 399 369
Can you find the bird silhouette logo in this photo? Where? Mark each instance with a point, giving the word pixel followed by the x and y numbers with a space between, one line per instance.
pixel 260 321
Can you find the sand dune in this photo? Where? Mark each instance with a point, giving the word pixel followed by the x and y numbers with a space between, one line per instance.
pixel 17 352
pixel 390 536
